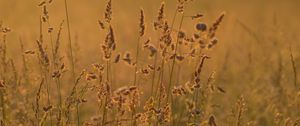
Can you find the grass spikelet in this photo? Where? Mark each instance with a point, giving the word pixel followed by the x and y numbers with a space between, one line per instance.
pixel 37 102
pixel 117 58
pixel 215 25
pixel 108 12
pixel 43 55
pixel 101 24
pixel 142 23
pixel 109 44
pixel 160 17
pixel 197 16
pixel 57 43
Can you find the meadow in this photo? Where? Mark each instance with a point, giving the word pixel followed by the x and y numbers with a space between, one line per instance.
pixel 149 63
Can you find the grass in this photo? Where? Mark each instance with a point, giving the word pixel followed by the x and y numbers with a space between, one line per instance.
pixel 175 76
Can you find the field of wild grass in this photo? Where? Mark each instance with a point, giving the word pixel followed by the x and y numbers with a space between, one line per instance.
pixel 149 63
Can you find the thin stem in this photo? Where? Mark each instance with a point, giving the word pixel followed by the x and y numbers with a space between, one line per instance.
pixel 25 67
pixel 71 56
pixel 48 93
pixel 106 97
pixel 174 101
pixel 3 71
pixel 77 112
pixel 45 72
pixel 55 63
pixel 160 81
pixel 55 67
pixel 174 59
pixel 2 106
pixel 136 64
pixel 154 73
pixel 133 122
pixel 294 67
pixel 104 112
pixel 70 43
pixel 159 87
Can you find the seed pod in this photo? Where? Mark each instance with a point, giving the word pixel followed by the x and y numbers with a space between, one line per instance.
pixel 181 34
pixel 29 52
pixel 117 59
pixel 201 27
pixel 197 16
pixel 101 24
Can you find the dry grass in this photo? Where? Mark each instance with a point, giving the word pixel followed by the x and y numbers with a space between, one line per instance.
pixel 167 72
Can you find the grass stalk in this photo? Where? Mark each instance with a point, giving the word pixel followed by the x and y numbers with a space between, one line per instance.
pixel 106 97
pixel 174 59
pixel 294 67
pixel 3 71
pixel 71 56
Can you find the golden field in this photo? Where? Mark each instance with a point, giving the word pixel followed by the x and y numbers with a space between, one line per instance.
pixel 149 63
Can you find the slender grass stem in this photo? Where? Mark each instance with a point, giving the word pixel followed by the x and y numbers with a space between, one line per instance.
pixel 3 77
pixel 55 66
pixel 294 67
pixel 174 59
pixel 137 59
pixel 45 71
pixel 71 56
pixel 133 122
pixel 153 75
pixel 3 106
pixel 106 97
pixel 159 87
pixel 70 42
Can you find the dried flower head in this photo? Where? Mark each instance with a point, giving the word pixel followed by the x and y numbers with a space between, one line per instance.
pixel 181 34
pixel 50 29
pixel 160 17
pixel 142 23
pixel 101 24
pixel 42 3
pixel 201 27
pixel 108 12
pixel 98 67
pixel 127 58
pixel 197 16
pixel 56 74
pixel 151 67
pixel 45 16
pixel 179 91
pixel 214 27
pixel 117 58
pixel 109 44
pixel 91 76
pixel 144 71
pixel 220 89
pixel 179 57
pixel 43 55
pixel 152 50
pixel 29 52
